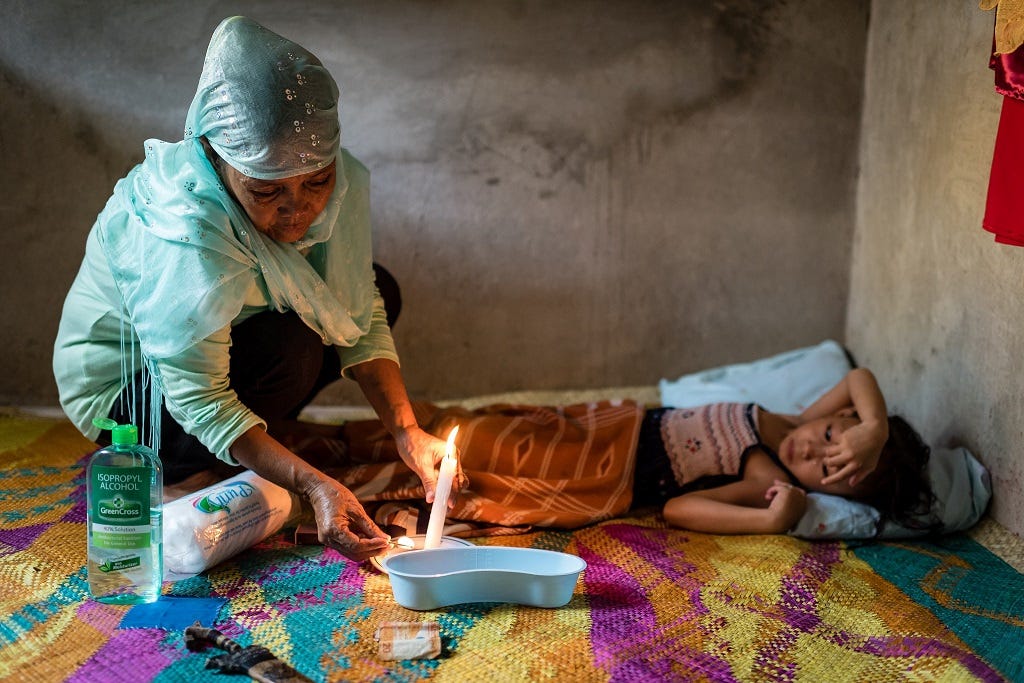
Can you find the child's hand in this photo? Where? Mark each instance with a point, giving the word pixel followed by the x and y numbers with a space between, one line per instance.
pixel 855 454
pixel 787 505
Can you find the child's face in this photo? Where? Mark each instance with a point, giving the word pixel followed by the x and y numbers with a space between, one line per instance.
pixel 802 452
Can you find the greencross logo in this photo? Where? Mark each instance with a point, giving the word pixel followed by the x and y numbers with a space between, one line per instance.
pixel 120 509
pixel 218 499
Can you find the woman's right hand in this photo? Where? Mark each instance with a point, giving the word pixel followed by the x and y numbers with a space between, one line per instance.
pixel 341 521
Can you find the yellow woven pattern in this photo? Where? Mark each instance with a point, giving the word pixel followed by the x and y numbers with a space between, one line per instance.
pixel 653 604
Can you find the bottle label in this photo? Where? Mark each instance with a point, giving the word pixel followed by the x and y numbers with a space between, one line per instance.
pixel 120 565
pixel 120 507
pixel 220 498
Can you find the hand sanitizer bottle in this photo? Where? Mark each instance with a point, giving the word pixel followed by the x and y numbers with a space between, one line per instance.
pixel 124 492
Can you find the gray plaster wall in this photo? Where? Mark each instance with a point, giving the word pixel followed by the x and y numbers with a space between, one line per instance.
pixel 572 194
pixel 935 305
pixel 586 194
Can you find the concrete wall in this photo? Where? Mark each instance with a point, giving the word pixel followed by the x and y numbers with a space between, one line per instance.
pixel 572 194
pixel 935 303
pixel 584 194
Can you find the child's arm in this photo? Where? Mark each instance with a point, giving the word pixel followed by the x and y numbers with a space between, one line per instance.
pixel 742 507
pixel 855 454
pixel 858 390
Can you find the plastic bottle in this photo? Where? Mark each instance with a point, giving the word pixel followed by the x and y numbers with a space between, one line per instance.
pixel 124 493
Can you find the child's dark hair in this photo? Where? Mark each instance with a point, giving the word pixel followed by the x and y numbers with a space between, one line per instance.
pixel 899 487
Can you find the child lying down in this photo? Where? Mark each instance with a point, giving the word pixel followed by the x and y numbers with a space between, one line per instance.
pixel 718 468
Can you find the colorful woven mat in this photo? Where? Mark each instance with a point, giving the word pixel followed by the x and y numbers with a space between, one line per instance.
pixel 654 604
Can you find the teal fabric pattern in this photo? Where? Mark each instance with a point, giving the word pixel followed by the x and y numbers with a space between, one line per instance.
pixel 972 591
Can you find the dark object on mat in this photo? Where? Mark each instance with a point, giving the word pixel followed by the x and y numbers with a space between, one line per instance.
pixel 255 660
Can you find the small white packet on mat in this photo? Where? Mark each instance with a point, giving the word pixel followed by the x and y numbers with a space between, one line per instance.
pixel 209 526
pixel 408 640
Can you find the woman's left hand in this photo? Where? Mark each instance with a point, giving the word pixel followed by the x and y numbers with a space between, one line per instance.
pixel 423 452
pixel 381 382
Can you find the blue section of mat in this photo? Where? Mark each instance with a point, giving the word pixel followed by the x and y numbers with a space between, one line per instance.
pixel 971 590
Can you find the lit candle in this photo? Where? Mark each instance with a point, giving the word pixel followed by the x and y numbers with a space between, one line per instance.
pixel 444 486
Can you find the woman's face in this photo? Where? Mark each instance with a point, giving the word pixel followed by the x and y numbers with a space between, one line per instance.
pixel 282 209
pixel 802 452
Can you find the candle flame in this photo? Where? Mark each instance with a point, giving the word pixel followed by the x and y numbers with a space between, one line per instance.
pixel 403 542
pixel 450 452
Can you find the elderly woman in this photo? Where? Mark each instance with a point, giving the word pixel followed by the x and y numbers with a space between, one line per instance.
pixel 229 278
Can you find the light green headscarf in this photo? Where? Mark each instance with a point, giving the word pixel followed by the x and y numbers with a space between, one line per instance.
pixel 268 107
pixel 184 254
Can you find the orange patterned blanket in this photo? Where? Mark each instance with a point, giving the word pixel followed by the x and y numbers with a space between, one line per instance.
pixel 562 467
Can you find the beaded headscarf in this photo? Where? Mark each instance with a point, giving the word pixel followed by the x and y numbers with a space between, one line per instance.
pixel 267 105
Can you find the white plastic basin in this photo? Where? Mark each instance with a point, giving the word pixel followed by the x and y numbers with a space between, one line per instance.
pixel 428 579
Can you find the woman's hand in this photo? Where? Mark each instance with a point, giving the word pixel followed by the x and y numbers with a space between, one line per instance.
pixel 342 523
pixel 381 382
pixel 856 453
pixel 788 504
pixel 423 452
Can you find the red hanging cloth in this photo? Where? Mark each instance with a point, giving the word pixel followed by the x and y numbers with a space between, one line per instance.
pixel 1004 207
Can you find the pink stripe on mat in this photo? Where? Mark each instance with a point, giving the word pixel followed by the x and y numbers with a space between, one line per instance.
pixel 129 656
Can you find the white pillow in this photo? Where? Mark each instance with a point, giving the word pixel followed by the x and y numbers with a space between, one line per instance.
pixel 962 489
pixel 785 383
pixel 830 516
